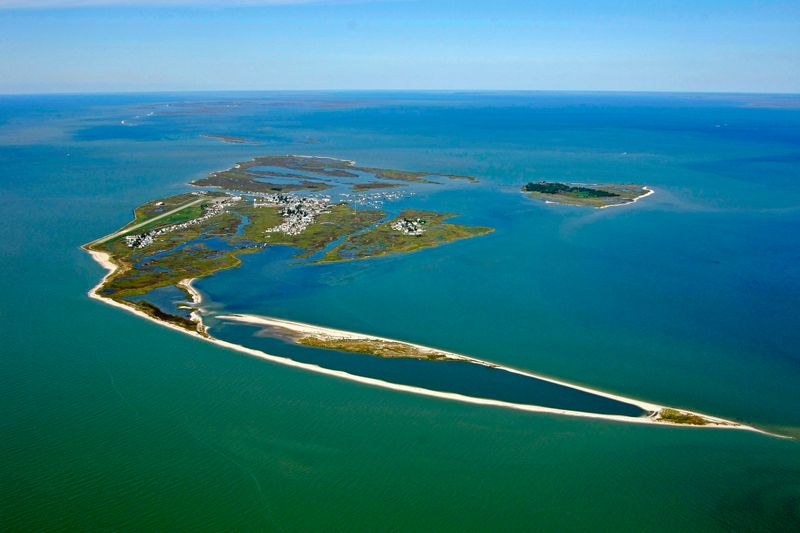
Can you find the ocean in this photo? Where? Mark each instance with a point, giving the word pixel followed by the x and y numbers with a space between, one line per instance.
pixel 687 298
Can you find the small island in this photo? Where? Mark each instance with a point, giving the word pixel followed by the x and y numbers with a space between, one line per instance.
pixel 230 139
pixel 594 195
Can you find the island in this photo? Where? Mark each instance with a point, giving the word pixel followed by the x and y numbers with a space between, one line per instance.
pixel 230 139
pixel 195 234
pixel 587 195
pixel 291 173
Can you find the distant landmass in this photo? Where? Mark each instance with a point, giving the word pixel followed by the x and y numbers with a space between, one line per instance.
pixel 595 195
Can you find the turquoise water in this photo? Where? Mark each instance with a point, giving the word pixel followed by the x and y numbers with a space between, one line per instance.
pixel 687 298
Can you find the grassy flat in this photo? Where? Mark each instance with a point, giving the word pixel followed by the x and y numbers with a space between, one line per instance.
pixel 374 347
pixel 678 417
pixel 246 177
pixel 237 180
pixel 338 221
pixel 375 185
pixel 157 207
pixel 384 239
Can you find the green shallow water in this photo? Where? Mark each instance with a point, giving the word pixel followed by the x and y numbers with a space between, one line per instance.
pixel 114 423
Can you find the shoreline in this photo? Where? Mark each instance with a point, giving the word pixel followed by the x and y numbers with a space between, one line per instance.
pixel 193 293
pixel 129 229
pixel 650 407
pixel 311 329
pixel 350 162
pixel 648 192
pixel 645 195
pixel 104 260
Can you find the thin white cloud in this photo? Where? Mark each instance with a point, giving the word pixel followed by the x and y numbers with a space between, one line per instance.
pixel 55 4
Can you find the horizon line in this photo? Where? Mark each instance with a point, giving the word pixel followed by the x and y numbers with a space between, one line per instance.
pixel 454 91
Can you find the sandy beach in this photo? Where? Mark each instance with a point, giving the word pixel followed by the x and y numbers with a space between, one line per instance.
pixel 319 331
pixel 313 330
pixel 104 260
pixel 193 293
pixel 349 162
pixel 645 195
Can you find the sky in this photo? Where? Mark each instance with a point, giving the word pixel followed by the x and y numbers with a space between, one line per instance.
pixel 57 46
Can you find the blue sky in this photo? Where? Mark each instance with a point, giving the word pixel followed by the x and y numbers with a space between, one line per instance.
pixel 646 45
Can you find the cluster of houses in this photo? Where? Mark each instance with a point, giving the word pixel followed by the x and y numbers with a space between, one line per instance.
pixel 298 212
pixel 409 226
pixel 213 209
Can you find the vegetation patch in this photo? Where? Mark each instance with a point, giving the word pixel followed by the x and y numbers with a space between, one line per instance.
pixel 679 417
pixel 376 185
pixel 153 311
pixel 567 190
pixel 339 220
pixel 164 205
pixel 237 180
pixel 374 347
pixel 384 239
